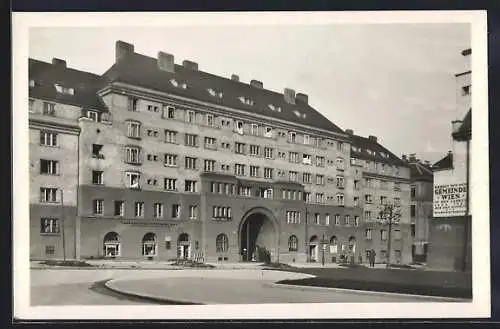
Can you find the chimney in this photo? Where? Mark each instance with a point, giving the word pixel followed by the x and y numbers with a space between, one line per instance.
pixel 235 77
pixel 257 84
pixel 466 52
pixel 122 49
pixel 58 62
pixel 349 132
pixel 455 125
pixel 289 95
pixel 190 65
pixel 413 157
pixel 404 157
pixel 166 62
pixel 372 138
pixel 302 97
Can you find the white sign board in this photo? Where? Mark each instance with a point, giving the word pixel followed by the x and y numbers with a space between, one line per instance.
pixel 333 249
pixel 449 200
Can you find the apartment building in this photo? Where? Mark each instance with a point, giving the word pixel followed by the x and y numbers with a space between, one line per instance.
pixel 165 161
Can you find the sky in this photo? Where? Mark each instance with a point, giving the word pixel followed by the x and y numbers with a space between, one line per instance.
pixel 394 81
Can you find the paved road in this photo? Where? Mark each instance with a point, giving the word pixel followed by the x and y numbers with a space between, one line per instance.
pixel 72 287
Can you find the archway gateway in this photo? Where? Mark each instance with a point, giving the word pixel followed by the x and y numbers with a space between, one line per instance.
pixel 258 236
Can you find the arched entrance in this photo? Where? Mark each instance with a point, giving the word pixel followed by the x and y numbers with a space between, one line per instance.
pixel 314 248
pixel 149 245
pixel 111 245
pixel 183 246
pixel 258 236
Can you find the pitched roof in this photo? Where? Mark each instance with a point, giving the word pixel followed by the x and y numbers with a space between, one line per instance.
pixel 140 70
pixel 444 163
pixel 85 85
pixel 420 172
pixel 361 146
pixel 464 132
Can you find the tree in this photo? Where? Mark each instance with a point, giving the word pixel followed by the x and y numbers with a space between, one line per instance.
pixel 389 215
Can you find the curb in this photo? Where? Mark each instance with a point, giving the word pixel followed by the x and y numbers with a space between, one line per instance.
pixel 366 292
pixel 147 297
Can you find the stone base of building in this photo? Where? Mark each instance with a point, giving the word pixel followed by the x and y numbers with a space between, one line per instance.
pixel 450 246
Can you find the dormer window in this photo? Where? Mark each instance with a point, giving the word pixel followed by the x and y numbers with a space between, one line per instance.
pixel 93 115
pixel 184 86
pixel 32 83
pixel 63 90
pixel 174 83
pixel 214 93
pixel 299 115
pixel 274 108
pixel 246 101
pixel 239 127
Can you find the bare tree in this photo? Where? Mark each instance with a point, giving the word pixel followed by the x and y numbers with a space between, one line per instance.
pixel 389 215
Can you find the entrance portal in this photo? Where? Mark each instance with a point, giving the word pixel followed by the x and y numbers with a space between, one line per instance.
pixel 314 249
pixel 257 238
pixel 183 247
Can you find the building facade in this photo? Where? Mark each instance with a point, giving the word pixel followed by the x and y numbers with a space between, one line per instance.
pixel 156 160
pixel 450 245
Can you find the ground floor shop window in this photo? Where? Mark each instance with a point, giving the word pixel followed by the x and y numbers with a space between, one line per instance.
pixel 183 246
pixel 149 246
pixel 111 244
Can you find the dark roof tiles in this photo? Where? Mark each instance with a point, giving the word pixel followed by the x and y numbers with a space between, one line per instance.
pixel 361 146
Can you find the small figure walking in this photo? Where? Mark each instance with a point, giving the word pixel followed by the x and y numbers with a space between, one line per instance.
pixel 372 258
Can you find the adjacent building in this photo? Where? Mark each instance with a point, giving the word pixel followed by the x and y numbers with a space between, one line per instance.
pixel 450 231
pixel 155 160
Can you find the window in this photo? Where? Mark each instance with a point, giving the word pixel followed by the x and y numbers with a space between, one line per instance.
pixel 49 167
pixel 244 191
pixel 320 161
pixel 170 184
pixel 221 243
pixel 383 200
pixel 268 173
pixel 355 201
pixel 210 120
pixel 190 116
pixel 292 137
pixel 97 177
pixel 340 181
pixel 368 198
pixel 466 90
pixel 49 225
pixel 254 171
pixel 170 136
pixel 320 180
pixel 293 157
pixel 268 152
pixel 190 186
pixel 306 139
pixel 327 219
pixel 254 150
pixel 170 160
pixel 413 191
pixel 221 213
pixel 412 230
pixel 210 143
pixel 132 154
pixel 158 210
pixel 239 127
pixel 139 209
pixel 368 215
pixel 308 196
pixel 293 176
pixel 356 220
pixel 293 243
pixel 239 169
pixel 50 250
pixel 48 138
pixel 191 140
pixel 316 219
pixel 356 184
pixel 93 115
pixel 413 210
pixel 119 209
pixel 347 220
pixel 49 108
pixel 48 194
pixel 190 163
pixel 239 148
pixel 254 129
pixel 98 205
pixel 353 161
pixel 293 217
pixel 31 105
pixel 209 165
pixel 397 235
pixel 383 235
pixel 340 199
pixel 269 132
pixel 368 234
pixel 306 159
pixel 149 246
pixel 132 104
pixel 340 163
pixel 306 178
pixel 133 129
pixel 176 211
pixel 96 151
pixel 320 198
pixel 193 212
pixel 337 219
pixel 168 112
pixel 133 180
